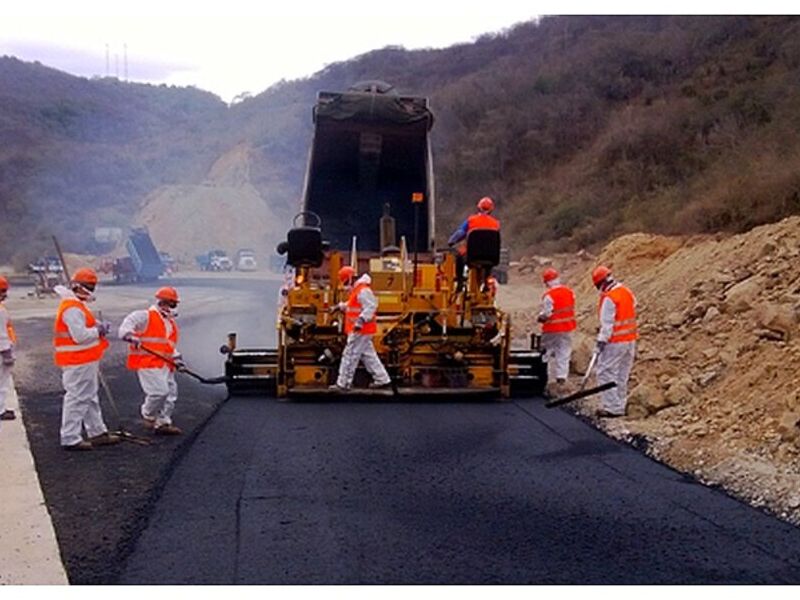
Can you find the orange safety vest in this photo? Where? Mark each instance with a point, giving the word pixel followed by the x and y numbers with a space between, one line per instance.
pixel 479 221
pixel 354 309
pixel 68 352
pixel 154 338
pixel 625 315
pixel 563 317
pixel 9 327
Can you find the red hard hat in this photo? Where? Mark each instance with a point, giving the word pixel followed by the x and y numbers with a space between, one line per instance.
pixel 549 275
pixel 346 273
pixel 486 204
pixel 167 293
pixel 85 275
pixel 599 274
pixel 3 283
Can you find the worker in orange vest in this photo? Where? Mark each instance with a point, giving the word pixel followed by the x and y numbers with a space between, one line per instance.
pixel 480 220
pixel 79 342
pixel 616 341
pixel 557 316
pixel 155 329
pixel 8 339
pixel 360 325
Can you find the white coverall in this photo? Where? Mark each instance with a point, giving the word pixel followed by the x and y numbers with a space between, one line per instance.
pixel 615 361
pixel 6 380
pixel 558 346
pixel 159 385
pixel 81 404
pixel 359 346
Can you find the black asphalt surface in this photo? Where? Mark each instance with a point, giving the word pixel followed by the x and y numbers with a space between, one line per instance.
pixel 442 493
pixel 261 491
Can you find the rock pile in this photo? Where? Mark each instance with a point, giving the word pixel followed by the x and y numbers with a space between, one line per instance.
pixel 716 386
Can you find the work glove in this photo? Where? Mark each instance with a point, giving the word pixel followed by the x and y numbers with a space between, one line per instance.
pixel 103 328
pixel 358 324
pixel 541 318
pixel 179 364
pixel 8 357
pixel 600 346
pixel 133 341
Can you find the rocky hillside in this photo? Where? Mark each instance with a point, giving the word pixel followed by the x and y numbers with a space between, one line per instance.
pixel 582 129
pixel 225 211
pixel 716 387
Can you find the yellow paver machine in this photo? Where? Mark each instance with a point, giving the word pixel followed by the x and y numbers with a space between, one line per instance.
pixel 369 202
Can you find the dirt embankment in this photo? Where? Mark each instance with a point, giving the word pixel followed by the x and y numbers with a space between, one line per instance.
pixel 225 212
pixel 716 385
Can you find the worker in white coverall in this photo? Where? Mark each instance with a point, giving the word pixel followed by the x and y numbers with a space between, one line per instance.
pixel 616 341
pixel 155 330
pixel 79 342
pixel 360 325
pixel 557 316
pixel 8 339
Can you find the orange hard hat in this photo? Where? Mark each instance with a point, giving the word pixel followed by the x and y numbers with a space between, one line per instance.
pixel 3 283
pixel 486 204
pixel 549 275
pixel 599 274
pixel 167 293
pixel 85 275
pixel 346 273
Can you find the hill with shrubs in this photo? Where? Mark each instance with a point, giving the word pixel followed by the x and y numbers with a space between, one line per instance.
pixel 581 128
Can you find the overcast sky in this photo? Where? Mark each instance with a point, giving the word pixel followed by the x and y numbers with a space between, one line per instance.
pixel 240 50
pixel 228 48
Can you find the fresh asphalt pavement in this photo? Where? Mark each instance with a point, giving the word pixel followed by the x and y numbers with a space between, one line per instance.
pixel 262 491
pixel 441 493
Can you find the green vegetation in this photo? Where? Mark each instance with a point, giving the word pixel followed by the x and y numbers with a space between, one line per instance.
pixel 582 128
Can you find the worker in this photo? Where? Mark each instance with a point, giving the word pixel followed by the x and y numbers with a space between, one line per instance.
pixel 480 220
pixel 155 329
pixel 360 325
pixel 8 339
pixel 79 341
pixel 616 341
pixel 557 316
pixel 491 287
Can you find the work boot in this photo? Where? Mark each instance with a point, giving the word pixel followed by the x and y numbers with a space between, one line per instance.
pixel 380 386
pixel 149 422
pixel 337 388
pixel 7 415
pixel 82 445
pixel 168 429
pixel 105 439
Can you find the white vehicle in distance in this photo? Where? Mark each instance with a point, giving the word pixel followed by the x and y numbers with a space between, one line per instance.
pixel 246 260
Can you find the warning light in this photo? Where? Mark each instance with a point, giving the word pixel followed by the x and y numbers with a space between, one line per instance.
pixel 417 197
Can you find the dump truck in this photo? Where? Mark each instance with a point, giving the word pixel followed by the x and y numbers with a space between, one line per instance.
pixel 369 202
pixel 144 258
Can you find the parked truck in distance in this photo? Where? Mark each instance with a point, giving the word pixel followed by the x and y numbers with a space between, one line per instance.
pixel 246 260
pixel 214 260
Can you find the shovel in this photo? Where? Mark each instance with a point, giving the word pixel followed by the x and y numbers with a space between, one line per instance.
pixel 200 378
pixel 582 392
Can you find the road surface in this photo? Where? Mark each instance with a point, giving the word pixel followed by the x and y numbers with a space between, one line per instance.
pixel 353 492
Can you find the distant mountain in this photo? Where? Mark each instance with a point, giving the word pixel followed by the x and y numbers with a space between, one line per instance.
pixel 581 128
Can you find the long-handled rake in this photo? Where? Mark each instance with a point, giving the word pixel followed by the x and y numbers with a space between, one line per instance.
pixel 582 392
